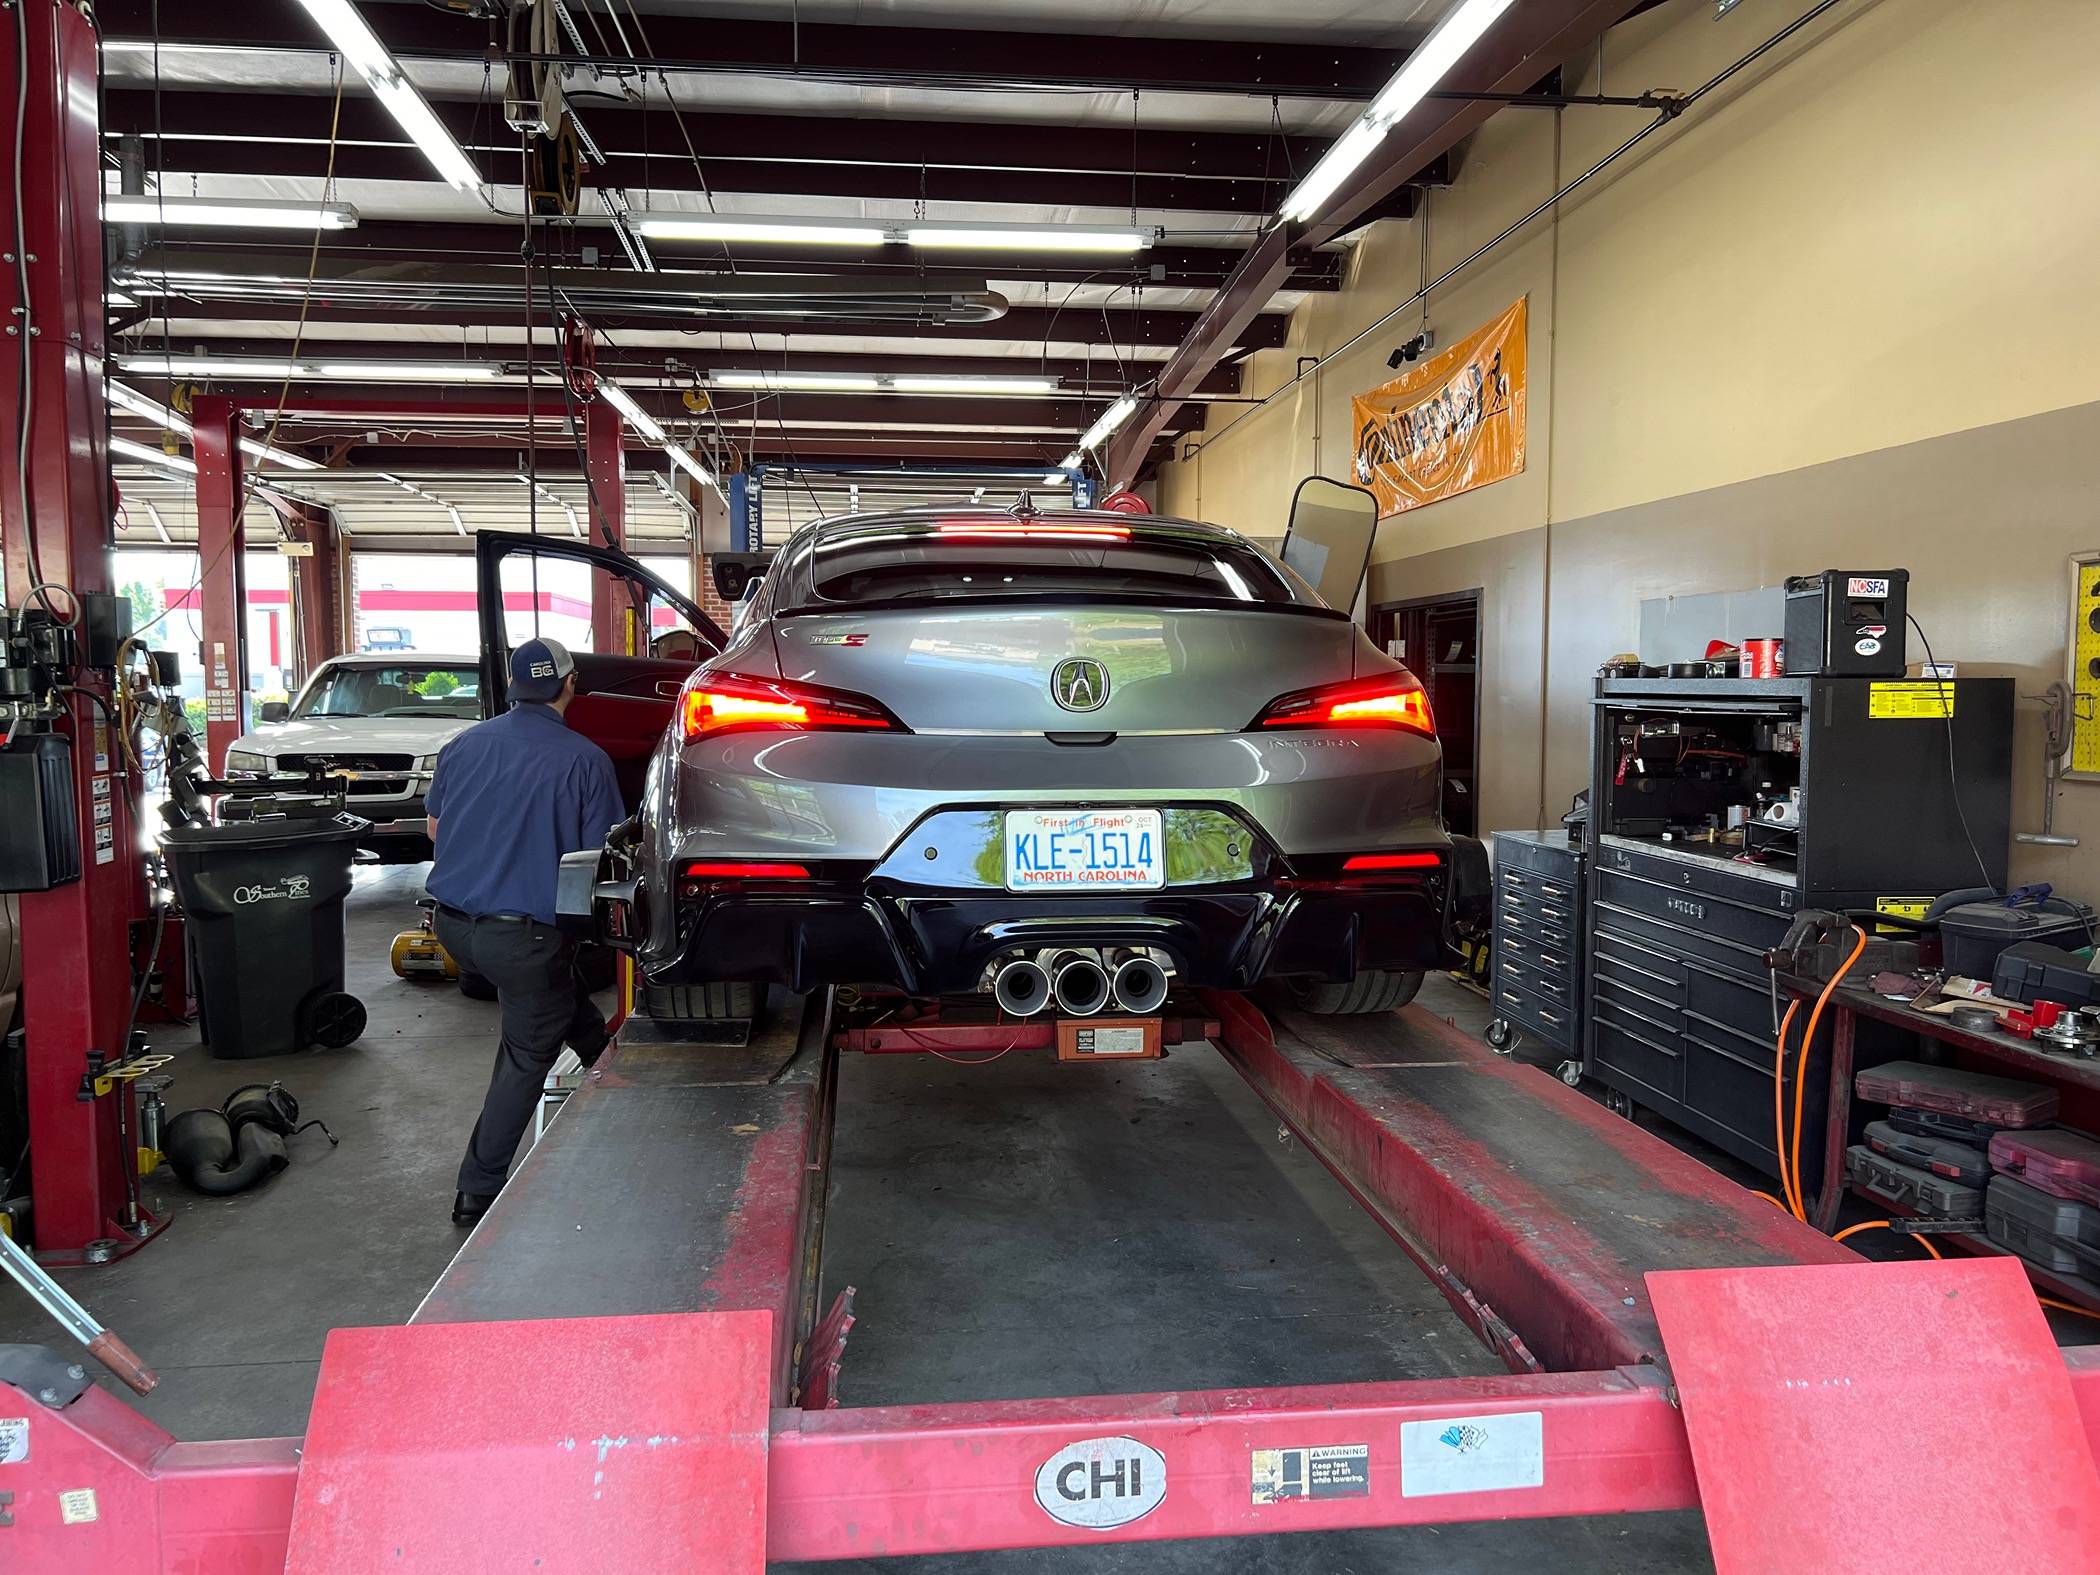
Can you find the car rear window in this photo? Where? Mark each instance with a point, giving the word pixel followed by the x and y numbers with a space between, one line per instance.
pixel 964 562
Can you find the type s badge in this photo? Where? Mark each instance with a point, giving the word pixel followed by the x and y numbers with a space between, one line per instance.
pixel 1101 1483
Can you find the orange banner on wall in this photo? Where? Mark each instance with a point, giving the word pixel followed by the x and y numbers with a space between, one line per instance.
pixel 1451 424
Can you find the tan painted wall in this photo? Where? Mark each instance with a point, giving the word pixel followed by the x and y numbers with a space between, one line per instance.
pixel 1819 322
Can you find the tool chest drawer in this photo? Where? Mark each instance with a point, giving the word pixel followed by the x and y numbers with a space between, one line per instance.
pixel 1536 984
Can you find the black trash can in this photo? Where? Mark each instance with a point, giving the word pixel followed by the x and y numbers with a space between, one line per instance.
pixel 264 900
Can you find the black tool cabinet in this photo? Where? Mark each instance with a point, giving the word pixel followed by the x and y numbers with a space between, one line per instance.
pixel 1678 1000
pixel 1537 952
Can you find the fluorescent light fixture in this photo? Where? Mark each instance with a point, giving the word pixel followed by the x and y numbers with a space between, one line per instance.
pixel 361 47
pixel 458 525
pixel 1111 418
pixel 690 465
pixel 735 227
pixel 152 456
pixel 1009 238
pixel 806 382
pixel 1421 71
pixel 116 297
pixel 972 385
pixel 238 213
pixel 630 412
pixel 407 371
pixel 1056 478
pixel 138 404
pixel 235 368
pixel 210 366
pixel 884 383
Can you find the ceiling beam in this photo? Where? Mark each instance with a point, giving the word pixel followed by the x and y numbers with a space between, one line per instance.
pixel 1529 41
pixel 451 242
pixel 823 51
pixel 965 161
pixel 1104 326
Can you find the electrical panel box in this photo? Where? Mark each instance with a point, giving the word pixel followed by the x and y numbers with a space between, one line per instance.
pixel 40 832
pixel 1847 622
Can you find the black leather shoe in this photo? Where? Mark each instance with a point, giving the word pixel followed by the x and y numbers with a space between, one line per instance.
pixel 468 1207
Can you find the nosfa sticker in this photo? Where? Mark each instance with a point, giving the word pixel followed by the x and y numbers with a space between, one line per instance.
pixel 14 1440
pixel 1472 1454
pixel 1102 1482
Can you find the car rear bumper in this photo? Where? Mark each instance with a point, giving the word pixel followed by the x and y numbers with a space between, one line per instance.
pixel 927 941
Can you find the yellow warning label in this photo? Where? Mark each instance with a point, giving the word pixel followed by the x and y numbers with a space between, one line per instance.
pixel 1903 907
pixel 2085 671
pixel 1907 700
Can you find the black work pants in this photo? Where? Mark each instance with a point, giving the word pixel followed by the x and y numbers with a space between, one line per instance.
pixel 544 1003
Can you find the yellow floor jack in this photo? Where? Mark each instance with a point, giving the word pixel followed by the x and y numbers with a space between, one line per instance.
pixel 416 953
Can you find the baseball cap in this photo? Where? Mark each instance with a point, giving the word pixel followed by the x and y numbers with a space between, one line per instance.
pixel 537 669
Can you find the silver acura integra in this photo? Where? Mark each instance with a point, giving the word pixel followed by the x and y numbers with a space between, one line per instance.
pixel 1062 758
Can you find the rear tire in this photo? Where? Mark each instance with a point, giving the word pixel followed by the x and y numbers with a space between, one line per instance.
pixel 1372 990
pixel 736 1001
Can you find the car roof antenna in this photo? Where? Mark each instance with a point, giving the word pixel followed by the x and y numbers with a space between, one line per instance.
pixel 1024 507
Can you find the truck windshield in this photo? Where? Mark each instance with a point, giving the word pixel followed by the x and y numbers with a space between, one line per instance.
pixel 448 693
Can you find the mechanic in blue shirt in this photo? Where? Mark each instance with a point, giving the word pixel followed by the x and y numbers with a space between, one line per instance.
pixel 509 797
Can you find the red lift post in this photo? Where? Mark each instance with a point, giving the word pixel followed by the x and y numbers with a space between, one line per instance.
pixel 77 995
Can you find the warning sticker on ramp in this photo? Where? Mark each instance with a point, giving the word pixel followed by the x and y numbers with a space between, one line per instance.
pixel 14 1440
pixel 1318 1471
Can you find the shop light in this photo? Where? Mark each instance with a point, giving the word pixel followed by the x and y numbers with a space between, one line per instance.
pixel 735 227
pixel 1439 52
pixel 801 382
pixel 651 431
pixel 126 398
pixel 233 368
pixel 633 414
pixel 233 213
pixel 1111 418
pixel 1010 238
pixel 347 31
pixel 152 456
pixel 885 382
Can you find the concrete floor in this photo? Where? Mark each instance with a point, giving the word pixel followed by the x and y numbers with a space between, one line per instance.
pixel 1013 1230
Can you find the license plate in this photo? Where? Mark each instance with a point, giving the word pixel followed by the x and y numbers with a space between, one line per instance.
pixel 1085 850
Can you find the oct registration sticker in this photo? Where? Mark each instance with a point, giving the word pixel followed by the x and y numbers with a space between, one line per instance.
pixel 1085 850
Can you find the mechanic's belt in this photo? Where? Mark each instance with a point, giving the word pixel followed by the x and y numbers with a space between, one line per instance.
pixel 485 918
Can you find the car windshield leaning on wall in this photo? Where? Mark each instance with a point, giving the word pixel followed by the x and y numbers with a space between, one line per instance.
pixel 403 691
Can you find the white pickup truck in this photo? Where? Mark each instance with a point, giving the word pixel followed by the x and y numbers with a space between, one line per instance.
pixel 379 719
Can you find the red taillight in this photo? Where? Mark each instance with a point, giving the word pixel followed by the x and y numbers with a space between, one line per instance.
pixel 1390 700
pixel 727 703
pixel 706 869
pixel 1389 863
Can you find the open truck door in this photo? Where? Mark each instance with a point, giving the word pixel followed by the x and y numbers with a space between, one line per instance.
pixel 1328 541
pixel 537 585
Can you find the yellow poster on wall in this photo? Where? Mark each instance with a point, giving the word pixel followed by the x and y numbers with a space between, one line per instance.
pixel 1451 424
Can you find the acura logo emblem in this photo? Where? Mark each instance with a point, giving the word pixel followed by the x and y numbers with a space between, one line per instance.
pixel 1079 683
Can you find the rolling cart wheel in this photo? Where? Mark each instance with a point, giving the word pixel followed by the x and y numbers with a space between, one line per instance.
pixel 1571 1073
pixel 1618 1104
pixel 335 1019
pixel 1500 1036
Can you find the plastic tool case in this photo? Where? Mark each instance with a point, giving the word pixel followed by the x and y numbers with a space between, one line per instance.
pixel 2061 1163
pixel 2002 1101
pixel 2059 1235
pixel 1907 1187
pixel 1944 1157
pixel 1936 1124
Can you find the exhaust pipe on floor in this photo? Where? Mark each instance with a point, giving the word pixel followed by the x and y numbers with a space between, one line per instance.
pixel 1021 988
pixel 1081 987
pixel 1140 986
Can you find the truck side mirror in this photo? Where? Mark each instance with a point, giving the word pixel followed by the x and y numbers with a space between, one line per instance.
pixel 274 711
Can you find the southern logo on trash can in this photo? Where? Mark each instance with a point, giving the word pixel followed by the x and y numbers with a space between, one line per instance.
pixel 295 888
pixel 1102 1482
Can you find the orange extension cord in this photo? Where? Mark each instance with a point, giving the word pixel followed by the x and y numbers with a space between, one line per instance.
pixel 1790 1168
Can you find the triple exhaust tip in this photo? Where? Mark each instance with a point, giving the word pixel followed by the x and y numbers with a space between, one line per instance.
pixel 1082 987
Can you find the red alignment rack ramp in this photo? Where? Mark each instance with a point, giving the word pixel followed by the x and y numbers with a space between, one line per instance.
pixel 1879 1416
pixel 635 1443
